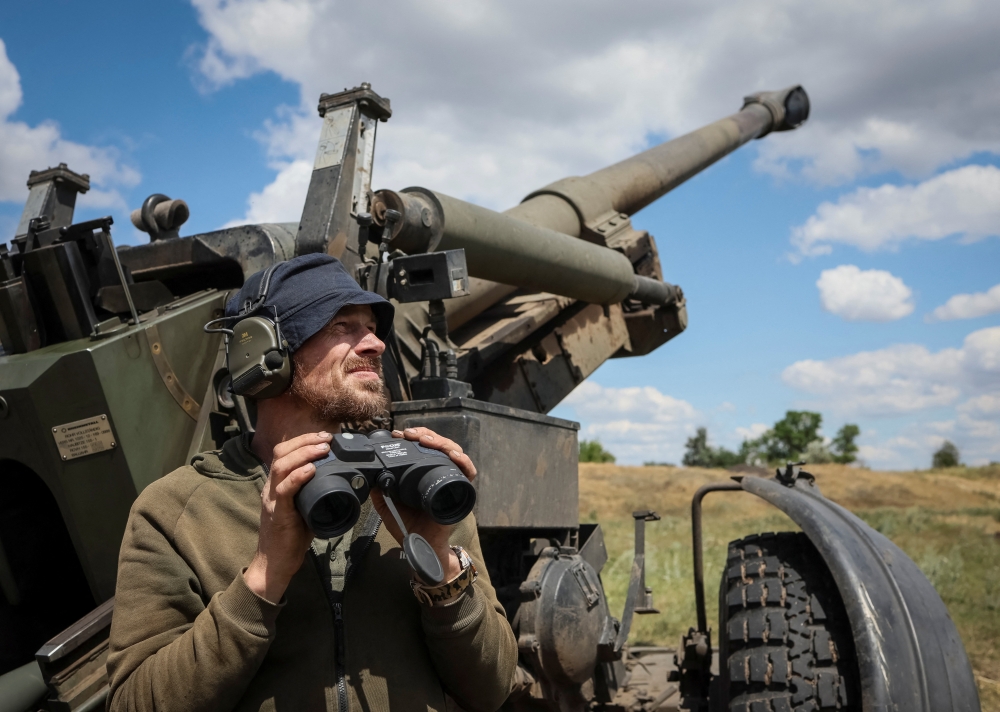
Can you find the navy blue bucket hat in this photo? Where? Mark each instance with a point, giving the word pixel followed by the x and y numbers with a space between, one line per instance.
pixel 307 292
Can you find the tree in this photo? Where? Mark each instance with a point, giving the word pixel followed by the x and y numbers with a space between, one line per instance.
pixel 817 453
pixel 696 450
pixel 593 451
pixel 946 456
pixel 794 432
pixel 845 451
pixel 698 453
pixel 788 440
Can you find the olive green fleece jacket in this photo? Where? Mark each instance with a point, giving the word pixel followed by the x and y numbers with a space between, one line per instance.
pixel 189 635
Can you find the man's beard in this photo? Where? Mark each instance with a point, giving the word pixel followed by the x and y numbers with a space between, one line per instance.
pixel 344 399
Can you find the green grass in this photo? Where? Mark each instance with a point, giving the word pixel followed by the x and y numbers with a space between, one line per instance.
pixel 957 548
pixel 670 571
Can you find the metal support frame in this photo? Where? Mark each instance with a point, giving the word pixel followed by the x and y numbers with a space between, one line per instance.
pixel 699 557
pixel 637 581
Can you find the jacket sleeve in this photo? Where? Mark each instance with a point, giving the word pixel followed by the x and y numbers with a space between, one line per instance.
pixel 168 650
pixel 470 643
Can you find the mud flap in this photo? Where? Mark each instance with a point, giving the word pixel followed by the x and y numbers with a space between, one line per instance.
pixel 910 655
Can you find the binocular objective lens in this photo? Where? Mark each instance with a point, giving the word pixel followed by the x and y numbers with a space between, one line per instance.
pixel 334 513
pixel 329 505
pixel 447 495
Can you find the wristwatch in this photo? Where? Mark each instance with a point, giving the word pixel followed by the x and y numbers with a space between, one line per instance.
pixel 449 592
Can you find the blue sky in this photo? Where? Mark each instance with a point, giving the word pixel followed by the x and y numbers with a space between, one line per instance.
pixel 812 261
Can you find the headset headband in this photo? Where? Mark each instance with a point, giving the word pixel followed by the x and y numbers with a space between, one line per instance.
pixel 265 284
pixel 249 307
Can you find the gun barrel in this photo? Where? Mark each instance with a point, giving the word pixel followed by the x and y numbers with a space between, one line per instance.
pixel 632 184
pixel 535 245
pixel 504 249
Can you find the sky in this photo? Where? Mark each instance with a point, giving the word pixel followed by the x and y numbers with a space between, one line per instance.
pixel 850 267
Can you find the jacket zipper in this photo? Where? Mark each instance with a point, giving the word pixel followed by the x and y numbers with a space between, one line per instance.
pixel 338 631
pixel 340 662
pixel 338 612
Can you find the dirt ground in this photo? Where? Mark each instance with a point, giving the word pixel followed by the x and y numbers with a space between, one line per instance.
pixel 948 521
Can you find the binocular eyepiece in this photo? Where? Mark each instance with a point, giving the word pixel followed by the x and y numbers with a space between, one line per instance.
pixel 413 475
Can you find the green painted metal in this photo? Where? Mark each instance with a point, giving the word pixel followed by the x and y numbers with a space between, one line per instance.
pixel 114 376
pixel 502 249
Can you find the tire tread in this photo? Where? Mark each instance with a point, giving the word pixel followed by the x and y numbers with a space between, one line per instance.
pixel 780 650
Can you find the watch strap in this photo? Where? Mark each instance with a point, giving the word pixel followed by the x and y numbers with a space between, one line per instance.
pixel 449 592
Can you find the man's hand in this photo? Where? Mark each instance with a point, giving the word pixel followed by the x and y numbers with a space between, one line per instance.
pixel 416 520
pixel 284 538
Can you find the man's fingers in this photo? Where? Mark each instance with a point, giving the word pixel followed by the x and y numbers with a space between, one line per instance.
pixel 296 459
pixel 284 448
pixel 428 438
pixel 291 484
pixel 464 463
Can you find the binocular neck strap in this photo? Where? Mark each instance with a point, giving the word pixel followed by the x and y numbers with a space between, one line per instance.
pixel 419 554
pixel 395 513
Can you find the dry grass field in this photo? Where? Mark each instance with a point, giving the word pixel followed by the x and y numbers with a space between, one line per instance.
pixel 948 521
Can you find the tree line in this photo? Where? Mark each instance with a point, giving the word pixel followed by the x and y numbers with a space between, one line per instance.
pixel 794 438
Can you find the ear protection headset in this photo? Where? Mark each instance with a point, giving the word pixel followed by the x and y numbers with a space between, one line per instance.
pixel 256 354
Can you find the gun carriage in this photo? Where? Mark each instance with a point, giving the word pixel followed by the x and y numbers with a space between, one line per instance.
pixel 107 383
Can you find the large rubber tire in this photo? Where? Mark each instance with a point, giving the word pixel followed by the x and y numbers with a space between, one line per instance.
pixel 785 643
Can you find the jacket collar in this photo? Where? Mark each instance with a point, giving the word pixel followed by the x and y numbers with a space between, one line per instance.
pixel 235 461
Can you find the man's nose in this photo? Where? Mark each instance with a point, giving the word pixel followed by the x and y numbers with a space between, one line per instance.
pixel 370 345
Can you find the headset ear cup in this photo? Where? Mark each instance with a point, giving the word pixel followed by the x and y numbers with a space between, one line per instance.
pixel 283 378
pixel 274 360
pixel 259 364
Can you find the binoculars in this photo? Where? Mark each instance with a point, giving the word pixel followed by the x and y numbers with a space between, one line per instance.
pixel 419 477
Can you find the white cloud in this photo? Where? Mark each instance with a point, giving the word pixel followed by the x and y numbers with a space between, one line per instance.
pixel 901 379
pixel 978 441
pixel 637 424
pixel 878 456
pixel 24 148
pixel 494 99
pixel 988 404
pixel 964 201
pixel 968 306
pixel 753 432
pixel 644 403
pixel 278 200
pixel 869 295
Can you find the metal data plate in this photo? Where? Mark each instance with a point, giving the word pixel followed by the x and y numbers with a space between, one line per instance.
pixel 84 437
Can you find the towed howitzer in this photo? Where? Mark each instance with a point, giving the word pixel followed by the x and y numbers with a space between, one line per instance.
pixel 109 383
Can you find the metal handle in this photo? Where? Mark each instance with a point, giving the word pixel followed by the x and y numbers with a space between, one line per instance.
pixel 121 273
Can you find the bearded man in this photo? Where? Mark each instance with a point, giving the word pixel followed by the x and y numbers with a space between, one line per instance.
pixel 226 601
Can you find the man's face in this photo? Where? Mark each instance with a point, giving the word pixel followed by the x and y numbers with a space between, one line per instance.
pixel 338 371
